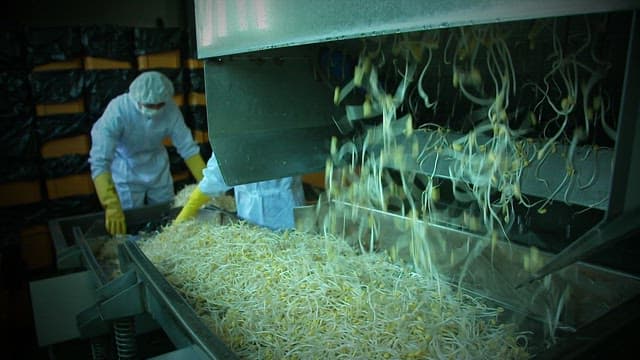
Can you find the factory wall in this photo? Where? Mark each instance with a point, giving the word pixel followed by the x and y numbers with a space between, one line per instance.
pixel 143 13
pixel 61 62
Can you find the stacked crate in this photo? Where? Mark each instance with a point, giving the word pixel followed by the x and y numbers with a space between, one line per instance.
pixel 108 64
pixel 22 206
pixel 19 176
pixel 197 105
pixel 56 77
pixel 25 246
pixel 197 100
pixel 160 49
pixel 58 86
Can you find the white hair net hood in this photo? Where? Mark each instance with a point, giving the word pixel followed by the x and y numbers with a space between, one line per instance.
pixel 151 87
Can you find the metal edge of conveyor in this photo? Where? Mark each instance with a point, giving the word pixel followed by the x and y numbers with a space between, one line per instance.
pixel 596 290
pixel 306 218
pixel 180 322
pixel 89 260
pixel 69 256
pixel 584 340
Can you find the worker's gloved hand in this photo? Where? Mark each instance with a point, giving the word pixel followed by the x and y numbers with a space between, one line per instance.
pixel 114 217
pixel 196 200
pixel 195 165
pixel 115 222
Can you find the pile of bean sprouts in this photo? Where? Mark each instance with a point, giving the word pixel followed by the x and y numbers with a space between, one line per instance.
pixel 224 202
pixel 296 295
pixel 182 196
pixel 107 256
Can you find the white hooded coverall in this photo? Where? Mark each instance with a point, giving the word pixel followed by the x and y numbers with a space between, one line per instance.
pixel 129 144
pixel 267 203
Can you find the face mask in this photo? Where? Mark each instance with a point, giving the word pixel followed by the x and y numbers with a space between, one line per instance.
pixel 152 113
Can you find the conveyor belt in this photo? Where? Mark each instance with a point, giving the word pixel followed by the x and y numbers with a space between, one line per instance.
pixel 142 289
pixel 139 294
pixel 169 309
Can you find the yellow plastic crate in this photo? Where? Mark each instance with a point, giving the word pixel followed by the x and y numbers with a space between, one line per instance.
pixel 197 99
pixel 179 99
pixel 184 175
pixel 71 185
pixel 94 63
pixel 200 136
pixel 194 64
pixel 72 107
pixel 36 247
pixel 167 60
pixel 79 144
pixel 59 65
pixel 20 193
pixel 314 179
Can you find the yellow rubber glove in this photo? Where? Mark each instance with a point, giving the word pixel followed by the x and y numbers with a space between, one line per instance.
pixel 196 200
pixel 114 220
pixel 195 165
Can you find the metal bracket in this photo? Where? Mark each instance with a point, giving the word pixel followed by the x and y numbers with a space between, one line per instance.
pixel 69 258
pixel 624 202
pixel 120 298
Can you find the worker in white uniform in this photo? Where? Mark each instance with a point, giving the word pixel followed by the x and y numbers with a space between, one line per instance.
pixel 267 203
pixel 129 162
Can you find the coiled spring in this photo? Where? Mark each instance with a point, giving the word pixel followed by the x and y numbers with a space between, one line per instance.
pixel 125 338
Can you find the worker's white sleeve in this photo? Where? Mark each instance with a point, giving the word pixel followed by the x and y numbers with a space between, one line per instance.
pixel 270 203
pixel 182 138
pixel 104 136
pixel 212 183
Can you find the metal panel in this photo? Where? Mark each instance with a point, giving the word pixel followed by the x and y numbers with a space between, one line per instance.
pixel 68 254
pixel 266 119
pixel 579 345
pixel 56 301
pixel 187 353
pixel 490 270
pixel 625 194
pixel 226 27
pixel 543 178
pixel 606 233
pixel 624 202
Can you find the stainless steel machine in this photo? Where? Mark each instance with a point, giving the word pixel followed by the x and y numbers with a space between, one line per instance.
pixel 111 297
pixel 271 69
pixel 270 74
